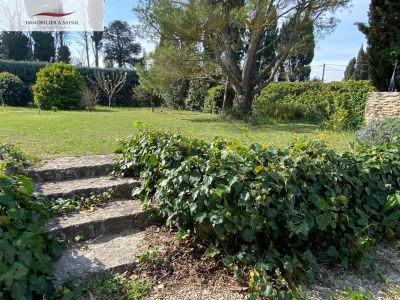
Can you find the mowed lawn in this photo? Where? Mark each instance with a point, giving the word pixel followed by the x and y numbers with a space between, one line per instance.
pixel 47 134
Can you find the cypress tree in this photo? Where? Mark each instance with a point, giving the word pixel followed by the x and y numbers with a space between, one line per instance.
pixel 361 67
pixel 383 37
pixel 350 69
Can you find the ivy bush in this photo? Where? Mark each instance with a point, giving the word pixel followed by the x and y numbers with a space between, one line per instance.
pixel 275 212
pixel 340 105
pixel 58 85
pixel 13 92
pixel 25 250
pixel 379 131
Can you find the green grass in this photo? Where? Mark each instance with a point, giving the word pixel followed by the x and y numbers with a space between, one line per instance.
pixel 47 134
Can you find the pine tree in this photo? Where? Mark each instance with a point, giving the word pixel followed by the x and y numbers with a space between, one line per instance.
pixel 350 70
pixel 383 37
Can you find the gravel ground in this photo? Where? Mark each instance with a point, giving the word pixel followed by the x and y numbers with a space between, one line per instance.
pixel 383 282
pixel 178 270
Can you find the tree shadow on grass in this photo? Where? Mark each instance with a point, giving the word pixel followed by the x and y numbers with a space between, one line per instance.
pixel 286 127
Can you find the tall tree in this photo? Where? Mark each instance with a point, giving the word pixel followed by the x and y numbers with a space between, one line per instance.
pixel 44 46
pixel 197 33
pixel 64 54
pixel 297 65
pixel 119 44
pixel 383 35
pixel 97 44
pixel 349 73
pixel 14 45
pixel 361 68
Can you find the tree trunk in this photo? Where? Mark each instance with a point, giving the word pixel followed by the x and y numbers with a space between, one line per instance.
pixel 96 56
pixel 225 95
pixel 243 103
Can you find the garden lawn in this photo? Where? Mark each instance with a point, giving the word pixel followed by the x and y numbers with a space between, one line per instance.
pixel 47 134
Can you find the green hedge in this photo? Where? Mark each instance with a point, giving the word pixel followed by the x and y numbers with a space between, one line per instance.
pixel 339 105
pixel 274 212
pixel 27 70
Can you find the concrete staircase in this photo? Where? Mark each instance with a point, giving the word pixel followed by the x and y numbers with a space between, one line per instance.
pixel 108 238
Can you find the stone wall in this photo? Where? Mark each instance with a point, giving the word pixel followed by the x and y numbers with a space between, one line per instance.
pixel 382 105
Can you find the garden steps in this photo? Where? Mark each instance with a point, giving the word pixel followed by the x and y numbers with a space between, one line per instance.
pixel 117 216
pixel 121 187
pixel 113 252
pixel 108 238
pixel 69 168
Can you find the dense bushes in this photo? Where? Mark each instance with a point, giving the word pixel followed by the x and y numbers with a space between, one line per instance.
pixel 214 101
pixel 13 92
pixel 58 85
pixel 25 250
pixel 276 211
pixel 379 131
pixel 141 97
pixel 196 94
pixel 339 104
pixel 27 72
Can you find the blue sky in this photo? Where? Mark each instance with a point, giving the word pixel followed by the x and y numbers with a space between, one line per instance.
pixel 335 49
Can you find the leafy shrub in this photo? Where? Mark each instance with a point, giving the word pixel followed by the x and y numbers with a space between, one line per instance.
pixel 315 102
pixel 143 98
pixel 196 94
pixel 276 211
pixel 175 95
pixel 214 100
pixel 379 131
pixel 27 70
pixel 59 85
pixel 13 92
pixel 12 158
pixel 25 249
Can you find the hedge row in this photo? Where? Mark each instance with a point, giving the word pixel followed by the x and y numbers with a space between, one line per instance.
pixel 338 104
pixel 274 212
pixel 27 70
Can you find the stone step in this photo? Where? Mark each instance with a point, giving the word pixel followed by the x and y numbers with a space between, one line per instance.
pixel 122 187
pixel 108 253
pixel 68 168
pixel 115 217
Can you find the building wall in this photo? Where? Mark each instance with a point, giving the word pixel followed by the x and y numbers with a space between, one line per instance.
pixel 382 105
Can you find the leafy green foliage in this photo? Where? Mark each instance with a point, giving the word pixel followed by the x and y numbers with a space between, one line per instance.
pixel 276 211
pixel 58 85
pixel 383 41
pixel 12 158
pixel 314 102
pixel 142 97
pixel 13 92
pixel 379 131
pixel 214 100
pixel 196 94
pixel 25 251
pixel 27 70
pixel 105 287
pixel 62 206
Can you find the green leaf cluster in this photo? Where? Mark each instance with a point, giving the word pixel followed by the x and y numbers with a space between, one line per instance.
pixel 339 105
pixel 277 211
pixel 58 85
pixel 25 250
pixel 13 92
